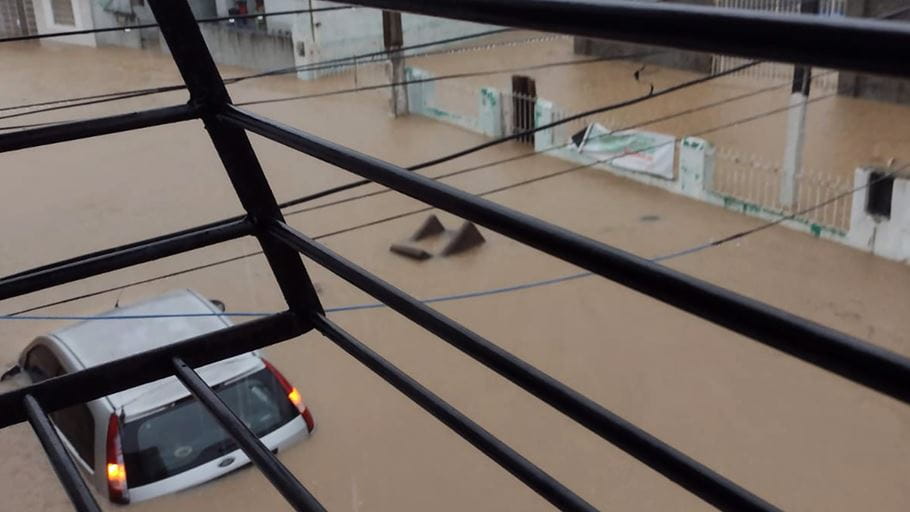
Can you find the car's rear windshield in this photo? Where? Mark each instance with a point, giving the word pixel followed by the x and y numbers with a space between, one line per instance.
pixel 185 435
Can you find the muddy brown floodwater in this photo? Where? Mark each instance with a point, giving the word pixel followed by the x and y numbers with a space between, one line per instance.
pixel 795 435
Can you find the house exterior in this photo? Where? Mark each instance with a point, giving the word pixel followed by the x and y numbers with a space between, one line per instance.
pixel 64 16
pixel 17 18
pixel 260 44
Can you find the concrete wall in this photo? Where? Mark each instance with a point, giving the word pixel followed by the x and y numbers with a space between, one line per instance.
pixel 117 13
pixel 230 44
pixel 248 48
pixel 283 24
pixel 120 13
pixel 694 176
pixel 82 15
pixel 888 238
pixel 873 86
pixel 678 59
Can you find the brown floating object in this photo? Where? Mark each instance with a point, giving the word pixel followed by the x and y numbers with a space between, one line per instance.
pixel 467 237
pixel 410 251
pixel 430 227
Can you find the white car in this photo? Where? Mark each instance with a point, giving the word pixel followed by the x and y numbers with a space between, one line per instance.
pixel 156 438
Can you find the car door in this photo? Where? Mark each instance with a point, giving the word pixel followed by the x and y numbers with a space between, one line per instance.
pixel 75 423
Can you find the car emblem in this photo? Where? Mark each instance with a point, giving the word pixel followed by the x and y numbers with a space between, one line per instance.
pixel 225 462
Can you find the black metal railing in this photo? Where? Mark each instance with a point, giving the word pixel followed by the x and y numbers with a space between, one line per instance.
pixel 852 44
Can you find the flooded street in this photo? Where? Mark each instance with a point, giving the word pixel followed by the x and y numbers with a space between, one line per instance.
pixel 794 434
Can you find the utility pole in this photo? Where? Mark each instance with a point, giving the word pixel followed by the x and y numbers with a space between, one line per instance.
pixel 393 40
pixel 796 123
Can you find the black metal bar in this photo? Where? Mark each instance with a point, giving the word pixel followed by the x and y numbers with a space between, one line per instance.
pixel 98 381
pixel 675 465
pixel 283 480
pixel 211 225
pixel 207 91
pixel 133 254
pixel 802 75
pixel 827 42
pixel 93 127
pixel 59 458
pixel 523 469
pixel 822 346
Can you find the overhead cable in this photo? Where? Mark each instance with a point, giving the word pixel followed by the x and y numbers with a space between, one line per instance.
pixel 388 218
pixel 129 28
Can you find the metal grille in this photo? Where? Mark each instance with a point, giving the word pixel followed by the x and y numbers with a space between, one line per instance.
pixel 62 12
pixel 811 40
pixel 17 18
pixel 756 185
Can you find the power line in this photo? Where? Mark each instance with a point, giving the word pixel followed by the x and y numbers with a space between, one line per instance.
pixel 525 133
pixel 518 157
pixel 769 224
pixel 359 183
pixel 492 291
pixel 107 98
pixel 468 74
pixel 81 98
pixel 531 153
pixel 599 110
pixel 473 149
pixel 128 28
pixel 330 191
pixel 340 62
pixel 380 221
pixel 379 55
pixel 101 99
pixel 489 164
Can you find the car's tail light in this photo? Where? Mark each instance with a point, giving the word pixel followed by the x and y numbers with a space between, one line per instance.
pixel 293 396
pixel 116 470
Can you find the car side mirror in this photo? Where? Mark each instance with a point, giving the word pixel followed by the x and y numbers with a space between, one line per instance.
pixel 12 372
pixel 218 304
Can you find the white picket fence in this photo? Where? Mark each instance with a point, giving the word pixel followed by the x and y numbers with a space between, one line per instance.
pixel 756 183
pixel 828 7
pixel 737 181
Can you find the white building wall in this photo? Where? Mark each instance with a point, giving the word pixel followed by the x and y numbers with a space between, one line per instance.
pixel 82 15
pixel 889 238
pixel 283 23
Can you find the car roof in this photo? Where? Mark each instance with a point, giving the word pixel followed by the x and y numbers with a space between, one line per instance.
pixel 94 342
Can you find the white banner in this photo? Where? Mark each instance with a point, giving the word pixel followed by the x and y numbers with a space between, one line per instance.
pixel 631 150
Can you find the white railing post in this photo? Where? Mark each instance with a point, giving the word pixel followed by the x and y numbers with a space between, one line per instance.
pixel 420 95
pixel 888 237
pixel 696 167
pixel 543 114
pixel 490 115
pixel 861 233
